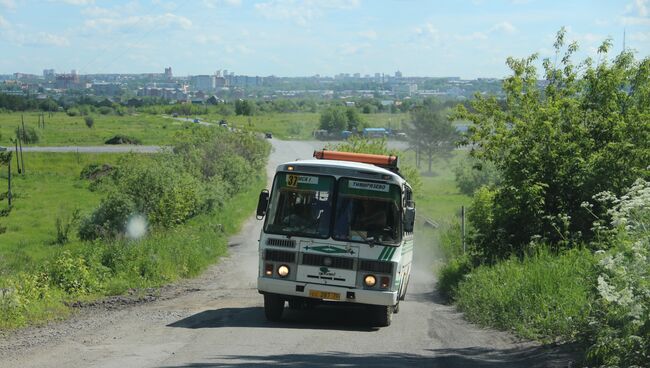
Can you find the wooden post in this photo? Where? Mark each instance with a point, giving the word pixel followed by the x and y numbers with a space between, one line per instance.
pixel 17 158
pixel 9 183
pixel 462 226
pixel 22 159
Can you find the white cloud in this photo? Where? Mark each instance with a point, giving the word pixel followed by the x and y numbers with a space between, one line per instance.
pixel 4 23
pixel 427 32
pixel 74 2
pixel 98 12
pixel 637 13
pixel 640 36
pixel 352 49
pixel 36 39
pixel 166 20
pixel 206 39
pixel 506 27
pixel 472 37
pixel 638 8
pixel 9 4
pixel 218 3
pixel 369 34
pixel 302 11
pixel 49 39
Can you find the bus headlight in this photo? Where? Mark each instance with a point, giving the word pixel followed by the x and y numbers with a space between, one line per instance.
pixel 370 280
pixel 283 271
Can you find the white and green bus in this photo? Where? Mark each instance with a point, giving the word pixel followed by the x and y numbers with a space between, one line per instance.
pixel 337 228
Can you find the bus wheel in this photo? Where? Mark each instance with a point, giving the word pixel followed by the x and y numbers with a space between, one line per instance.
pixel 382 315
pixel 273 307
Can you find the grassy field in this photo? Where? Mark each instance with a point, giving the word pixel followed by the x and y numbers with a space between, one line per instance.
pixel 64 130
pixel 50 189
pixel 301 125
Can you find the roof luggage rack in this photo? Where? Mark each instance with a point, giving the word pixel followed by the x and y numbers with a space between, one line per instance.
pixel 383 161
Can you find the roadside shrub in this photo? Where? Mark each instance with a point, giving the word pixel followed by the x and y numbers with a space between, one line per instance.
pixel 18 294
pixel 72 274
pixel 541 297
pixel 73 111
pixel 108 221
pixel 451 274
pixel 160 188
pixel 90 121
pixel 64 225
pixel 28 135
pixel 105 110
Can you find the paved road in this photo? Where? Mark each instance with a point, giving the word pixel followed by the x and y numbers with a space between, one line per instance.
pixel 217 320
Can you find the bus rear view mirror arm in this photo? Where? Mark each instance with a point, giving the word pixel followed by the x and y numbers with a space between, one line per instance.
pixel 409 217
pixel 262 204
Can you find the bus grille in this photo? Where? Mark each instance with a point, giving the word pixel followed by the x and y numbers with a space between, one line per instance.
pixel 280 256
pixel 336 262
pixel 376 266
pixel 287 243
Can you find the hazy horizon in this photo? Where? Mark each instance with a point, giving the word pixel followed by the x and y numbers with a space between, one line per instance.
pixel 301 38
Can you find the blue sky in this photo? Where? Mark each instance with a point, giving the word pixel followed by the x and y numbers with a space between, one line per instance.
pixel 305 37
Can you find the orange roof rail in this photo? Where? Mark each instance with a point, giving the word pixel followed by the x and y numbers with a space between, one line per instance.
pixel 387 162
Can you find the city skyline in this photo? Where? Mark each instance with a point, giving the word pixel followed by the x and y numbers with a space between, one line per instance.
pixel 293 38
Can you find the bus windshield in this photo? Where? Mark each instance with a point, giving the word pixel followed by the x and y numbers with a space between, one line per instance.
pixel 367 212
pixel 301 205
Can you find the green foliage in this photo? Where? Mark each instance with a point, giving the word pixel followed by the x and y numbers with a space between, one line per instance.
pixel 245 107
pixel 72 274
pixel 542 296
pixel 472 173
pixel 29 135
pixel 431 134
pixel 451 274
pixel 334 119
pixel 586 132
pixel 108 221
pixel 619 332
pixel 73 111
pixel 89 121
pixel 64 226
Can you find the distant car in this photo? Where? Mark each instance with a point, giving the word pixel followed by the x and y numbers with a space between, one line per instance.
pixel 174 115
pixel 196 120
pixel 268 135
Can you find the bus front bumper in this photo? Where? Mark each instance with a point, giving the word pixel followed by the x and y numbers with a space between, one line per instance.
pixel 325 292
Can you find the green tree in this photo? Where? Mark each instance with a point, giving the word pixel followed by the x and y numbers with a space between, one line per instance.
pixel 431 134
pixel 334 119
pixel 587 131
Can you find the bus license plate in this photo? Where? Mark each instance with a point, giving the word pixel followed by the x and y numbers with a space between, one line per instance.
pixel 324 295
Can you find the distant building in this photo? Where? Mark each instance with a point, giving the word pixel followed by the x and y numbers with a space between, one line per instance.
pixel 398 74
pixel 168 73
pixel 203 82
pixel 48 74
pixel 107 89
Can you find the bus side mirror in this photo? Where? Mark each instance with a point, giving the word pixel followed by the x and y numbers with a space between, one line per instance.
pixel 409 217
pixel 262 204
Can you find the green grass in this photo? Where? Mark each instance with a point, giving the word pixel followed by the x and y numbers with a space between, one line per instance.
pixel 51 188
pixel 41 277
pixel 542 297
pixel 64 130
